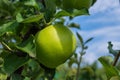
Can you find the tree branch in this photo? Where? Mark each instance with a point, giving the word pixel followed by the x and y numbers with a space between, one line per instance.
pixel 116 59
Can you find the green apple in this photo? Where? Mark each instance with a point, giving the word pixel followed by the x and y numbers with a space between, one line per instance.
pixel 54 45
pixel 77 4
pixel 68 4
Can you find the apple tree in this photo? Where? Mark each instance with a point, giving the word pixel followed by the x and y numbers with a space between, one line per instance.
pixel 20 20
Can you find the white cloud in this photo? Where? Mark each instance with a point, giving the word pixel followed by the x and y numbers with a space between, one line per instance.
pixel 108 32
pixel 98 47
pixel 103 5
pixel 104 25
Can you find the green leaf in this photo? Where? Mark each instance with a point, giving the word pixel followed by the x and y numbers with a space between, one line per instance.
pixel 80 39
pixel 26 78
pixel 62 14
pixel 50 5
pixel 9 27
pixel 109 69
pixel 72 13
pixel 28 46
pixel 16 77
pixel 50 9
pixel 94 1
pixel 31 69
pixel 33 18
pixel 13 62
pixel 88 40
pixel 115 78
pixel 31 3
pixel 3 77
pixel 6 8
pixel 111 50
pixel 19 17
pixel 74 25
pixel 1 61
pixel 80 12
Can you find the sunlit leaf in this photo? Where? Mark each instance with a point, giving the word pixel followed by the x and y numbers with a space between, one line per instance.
pixel 72 13
pixel 9 27
pixel 31 3
pixel 109 69
pixel 19 17
pixel 28 46
pixel 115 78
pixel 3 76
pixel 33 18
pixel 62 14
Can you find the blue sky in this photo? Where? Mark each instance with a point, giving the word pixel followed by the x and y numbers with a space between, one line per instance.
pixel 104 25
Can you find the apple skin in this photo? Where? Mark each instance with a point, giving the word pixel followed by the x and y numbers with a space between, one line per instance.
pixel 68 4
pixel 77 4
pixel 54 45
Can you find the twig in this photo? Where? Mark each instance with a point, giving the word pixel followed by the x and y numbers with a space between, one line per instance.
pixel 78 69
pixel 116 59
pixel 6 47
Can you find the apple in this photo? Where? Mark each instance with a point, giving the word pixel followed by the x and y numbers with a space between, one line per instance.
pixel 54 45
pixel 77 4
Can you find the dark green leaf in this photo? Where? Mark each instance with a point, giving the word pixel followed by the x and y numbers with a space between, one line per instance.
pixel 80 39
pixel 50 5
pixel 50 9
pixel 111 50
pixel 94 1
pixel 9 27
pixel 16 77
pixel 74 25
pixel 6 8
pixel 1 61
pixel 31 69
pixel 109 69
pixel 88 40
pixel 28 46
pixel 33 18
pixel 13 62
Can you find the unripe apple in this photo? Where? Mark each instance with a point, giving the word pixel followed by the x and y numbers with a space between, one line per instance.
pixel 54 45
pixel 77 4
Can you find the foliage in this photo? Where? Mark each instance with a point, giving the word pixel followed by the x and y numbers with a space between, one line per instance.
pixel 20 20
